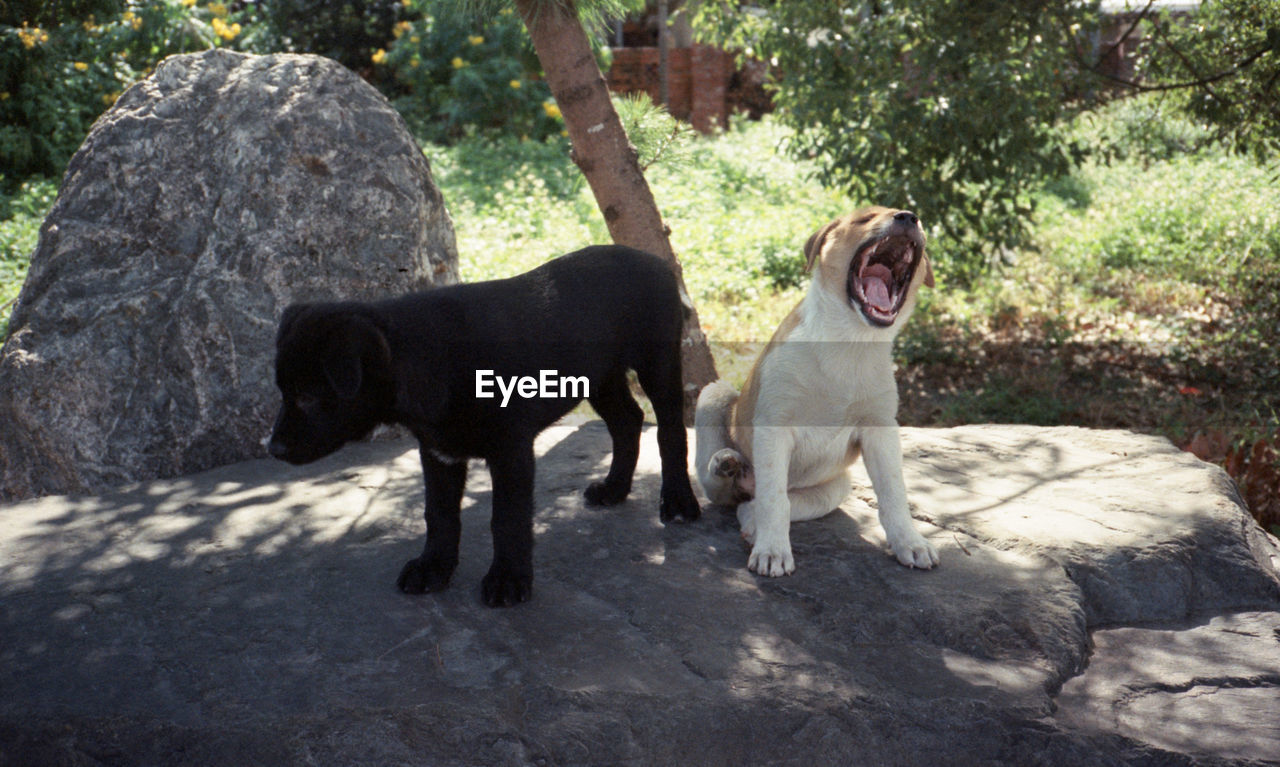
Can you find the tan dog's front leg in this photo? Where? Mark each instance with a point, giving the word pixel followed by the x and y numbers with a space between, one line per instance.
pixel 766 520
pixel 882 452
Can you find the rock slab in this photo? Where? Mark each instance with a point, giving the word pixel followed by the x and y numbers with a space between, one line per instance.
pixel 248 615
pixel 214 193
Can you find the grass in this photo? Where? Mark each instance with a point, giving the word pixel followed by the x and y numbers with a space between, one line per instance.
pixel 1149 299
pixel 731 204
pixel 20 218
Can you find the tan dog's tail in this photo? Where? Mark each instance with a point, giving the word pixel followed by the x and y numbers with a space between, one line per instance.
pixel 721 468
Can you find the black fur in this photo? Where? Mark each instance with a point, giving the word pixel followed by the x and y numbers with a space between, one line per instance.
pixel 343 368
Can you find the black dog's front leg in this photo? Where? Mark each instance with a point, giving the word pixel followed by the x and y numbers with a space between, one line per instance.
pixel 432 570
pixel 510 577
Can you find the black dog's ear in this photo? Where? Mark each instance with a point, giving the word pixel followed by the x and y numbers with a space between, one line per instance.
pixel 813 247
pixel 344 374
pixel 358 350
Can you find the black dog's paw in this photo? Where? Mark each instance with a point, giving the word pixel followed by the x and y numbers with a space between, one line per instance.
pixel 681 503
pixel 419 576
pixel 503 588
pixel 601 494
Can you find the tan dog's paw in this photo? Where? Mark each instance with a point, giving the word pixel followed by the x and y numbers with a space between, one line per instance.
pixel 914 551
pixel 772 558
pixel 727 463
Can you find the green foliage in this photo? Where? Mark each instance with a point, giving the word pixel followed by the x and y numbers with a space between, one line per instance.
pixel 739 212
pixel 1200 218
pixel 20 218
pixel 958 110
pixel 941 106
pixel 345 30
pixel 55 80
pixel 1150 128
pixel 657 137
pixel 1227 55
pixel 450 76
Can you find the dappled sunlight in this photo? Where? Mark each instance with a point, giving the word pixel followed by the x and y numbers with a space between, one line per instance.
pixel 1052 489
pixel 1206 686
pixel 264 590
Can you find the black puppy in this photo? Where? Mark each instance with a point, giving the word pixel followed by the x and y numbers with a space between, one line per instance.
pixel 440 363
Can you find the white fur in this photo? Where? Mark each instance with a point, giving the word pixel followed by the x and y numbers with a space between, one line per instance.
pixel 824 388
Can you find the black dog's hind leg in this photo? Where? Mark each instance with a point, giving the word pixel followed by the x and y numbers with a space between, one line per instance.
pixel 510 577
pixel 614 403
pixel 432 570
pixel 661 380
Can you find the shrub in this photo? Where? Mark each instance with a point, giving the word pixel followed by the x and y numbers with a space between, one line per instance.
pixel 449 76
pixel 1147 128
pixel 1202 218
pixel 60 74
pixel 344 31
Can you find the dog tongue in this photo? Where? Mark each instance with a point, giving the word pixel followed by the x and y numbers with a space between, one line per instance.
pixel 875 286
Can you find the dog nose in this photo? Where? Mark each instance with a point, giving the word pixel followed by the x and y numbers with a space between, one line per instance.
pixel 906 217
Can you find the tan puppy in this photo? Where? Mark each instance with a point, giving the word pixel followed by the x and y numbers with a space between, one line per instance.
pixel 821 393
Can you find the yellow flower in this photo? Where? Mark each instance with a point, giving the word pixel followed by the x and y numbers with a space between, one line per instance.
pixel 458 63
pixel 400 28
pixel 32 36
pixel 188 3
pixel 516 84
pixel 218 9
pixel 379 56
pixel 4 96
pixel 415 61
pixel 224 30
pixel 110 98
pixel 475 39
pixel 552 109
pixel 407 3
pixel 81 66
pixel 415 39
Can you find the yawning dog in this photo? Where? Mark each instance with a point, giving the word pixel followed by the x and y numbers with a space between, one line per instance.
pixel 430 361
pixel 821 393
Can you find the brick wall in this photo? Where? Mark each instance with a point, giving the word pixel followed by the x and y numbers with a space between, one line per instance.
pixel 698 81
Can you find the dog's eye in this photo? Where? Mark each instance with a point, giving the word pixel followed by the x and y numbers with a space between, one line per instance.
pixel 307 401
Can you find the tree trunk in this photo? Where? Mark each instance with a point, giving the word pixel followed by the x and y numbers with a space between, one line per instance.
pixel 606 158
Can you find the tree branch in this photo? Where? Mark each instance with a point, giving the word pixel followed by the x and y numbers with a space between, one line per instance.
pixel 1202 82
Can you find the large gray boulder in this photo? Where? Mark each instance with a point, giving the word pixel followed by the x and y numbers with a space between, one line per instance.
pixel 213 194
pixel 1103 599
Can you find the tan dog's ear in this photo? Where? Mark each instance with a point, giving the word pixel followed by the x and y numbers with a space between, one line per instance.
pixel 813 247
pixel 928 273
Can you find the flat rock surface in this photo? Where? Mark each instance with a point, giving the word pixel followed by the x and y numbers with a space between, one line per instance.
pixel 1102 599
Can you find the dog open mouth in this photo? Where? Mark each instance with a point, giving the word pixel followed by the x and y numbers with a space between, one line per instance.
pixel 880 275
